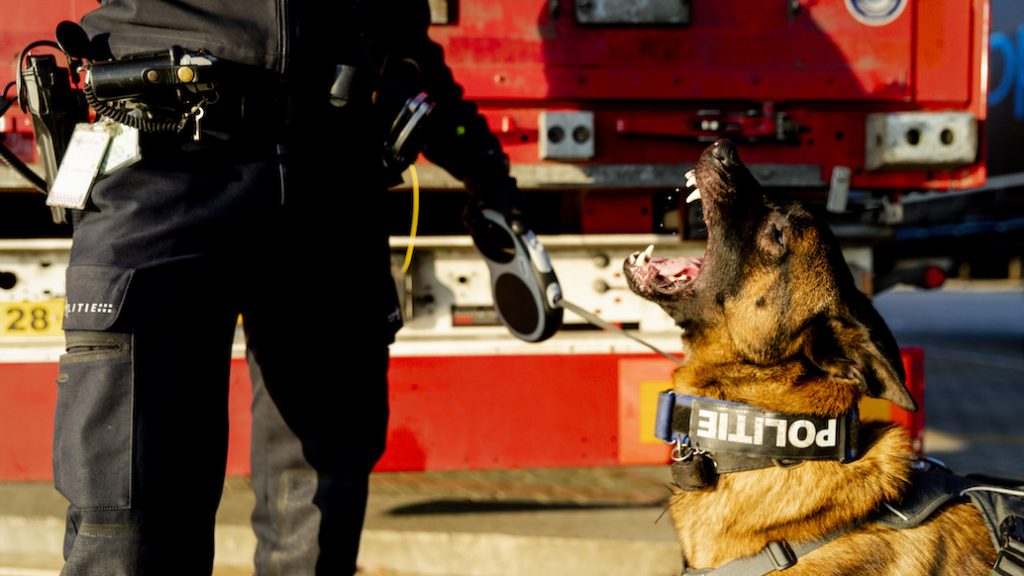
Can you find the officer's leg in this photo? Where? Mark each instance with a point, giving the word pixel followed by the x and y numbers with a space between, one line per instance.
pixel 141 434
pixel 319 421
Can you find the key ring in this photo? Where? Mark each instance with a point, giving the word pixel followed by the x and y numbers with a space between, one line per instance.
pixel 681 451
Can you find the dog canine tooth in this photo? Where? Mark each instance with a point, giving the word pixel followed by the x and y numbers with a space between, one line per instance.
pixel 694 196
pixel 643 258
pixel 691 179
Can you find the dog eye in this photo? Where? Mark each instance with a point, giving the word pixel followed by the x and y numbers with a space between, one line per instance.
pixel 772 237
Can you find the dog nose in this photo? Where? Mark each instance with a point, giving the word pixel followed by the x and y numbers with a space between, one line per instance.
pixel 725 152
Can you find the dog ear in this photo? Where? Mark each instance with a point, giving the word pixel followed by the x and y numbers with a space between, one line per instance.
pixel 860 350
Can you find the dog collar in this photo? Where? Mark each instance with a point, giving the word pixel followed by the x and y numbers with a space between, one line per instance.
pixel 739 436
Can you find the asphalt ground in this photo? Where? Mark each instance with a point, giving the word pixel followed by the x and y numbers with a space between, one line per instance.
pixel 973 337
pixel 608 520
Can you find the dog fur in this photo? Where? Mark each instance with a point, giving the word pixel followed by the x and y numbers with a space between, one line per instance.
pixel 771 317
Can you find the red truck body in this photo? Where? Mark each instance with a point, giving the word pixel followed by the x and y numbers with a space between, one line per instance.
pixel 602 104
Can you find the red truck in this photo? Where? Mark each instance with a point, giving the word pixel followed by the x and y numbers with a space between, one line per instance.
pixel 602 106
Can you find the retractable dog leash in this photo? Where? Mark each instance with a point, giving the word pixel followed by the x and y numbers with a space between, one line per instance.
pixel 526 291
pixel 523 283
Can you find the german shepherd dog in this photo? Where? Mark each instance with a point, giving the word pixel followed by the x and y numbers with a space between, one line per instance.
pixel 771 318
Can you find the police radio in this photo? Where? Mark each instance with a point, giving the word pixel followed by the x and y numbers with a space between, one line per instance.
pixel 523 283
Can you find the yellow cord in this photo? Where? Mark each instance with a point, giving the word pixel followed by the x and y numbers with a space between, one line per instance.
pixel 415 217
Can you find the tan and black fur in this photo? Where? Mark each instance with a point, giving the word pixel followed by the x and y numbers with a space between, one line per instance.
pixel 771 317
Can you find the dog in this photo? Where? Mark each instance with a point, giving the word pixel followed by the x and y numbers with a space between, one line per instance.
pixel 771 319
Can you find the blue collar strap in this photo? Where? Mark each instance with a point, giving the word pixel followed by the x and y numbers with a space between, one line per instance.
pixel 742 437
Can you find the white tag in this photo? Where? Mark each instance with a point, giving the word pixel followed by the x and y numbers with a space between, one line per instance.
pixel 79 168
pixel 124 147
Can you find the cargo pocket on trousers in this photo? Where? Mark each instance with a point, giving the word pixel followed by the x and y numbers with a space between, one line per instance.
pixel 94 429
pixel 95 296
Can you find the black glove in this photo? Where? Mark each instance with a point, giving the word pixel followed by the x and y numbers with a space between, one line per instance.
pixel 523 284
pixel 497 192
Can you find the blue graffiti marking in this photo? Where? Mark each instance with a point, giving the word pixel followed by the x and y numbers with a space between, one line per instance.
pixel 1012 80
pixel 1001 44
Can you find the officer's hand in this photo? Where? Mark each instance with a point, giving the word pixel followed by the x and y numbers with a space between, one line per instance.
pixel 499 194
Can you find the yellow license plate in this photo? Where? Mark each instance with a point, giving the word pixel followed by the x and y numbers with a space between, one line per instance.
pixel 21 319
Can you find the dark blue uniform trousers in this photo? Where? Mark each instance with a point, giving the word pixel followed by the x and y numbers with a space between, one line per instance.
pixel 169 253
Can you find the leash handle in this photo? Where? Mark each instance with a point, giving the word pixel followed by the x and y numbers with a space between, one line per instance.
pixel 600 323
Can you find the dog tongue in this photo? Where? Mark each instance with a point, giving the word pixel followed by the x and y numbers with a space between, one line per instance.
pixel 674 267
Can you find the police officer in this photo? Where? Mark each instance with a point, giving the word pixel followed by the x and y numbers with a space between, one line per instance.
pixel 275 213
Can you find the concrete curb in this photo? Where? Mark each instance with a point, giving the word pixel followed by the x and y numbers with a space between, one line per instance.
pixel 476 554
pixel 412 552
pixel 41 536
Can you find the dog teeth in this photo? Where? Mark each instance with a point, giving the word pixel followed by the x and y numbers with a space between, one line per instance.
pixel 642 258
pixel 691 179
pixel 645 256
pixel 694 196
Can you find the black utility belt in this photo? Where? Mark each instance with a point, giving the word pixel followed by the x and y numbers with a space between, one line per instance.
pixel 185 91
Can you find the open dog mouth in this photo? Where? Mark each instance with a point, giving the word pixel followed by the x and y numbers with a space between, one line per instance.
pixel 653 275
pixel 666 276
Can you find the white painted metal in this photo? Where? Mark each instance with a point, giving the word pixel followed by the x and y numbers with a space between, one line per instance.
pixel 446 272
pixel 921 139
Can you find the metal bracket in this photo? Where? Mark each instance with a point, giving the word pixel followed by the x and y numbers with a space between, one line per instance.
pixel 839 190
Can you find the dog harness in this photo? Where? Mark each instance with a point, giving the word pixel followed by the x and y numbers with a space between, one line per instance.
pixel 714 437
